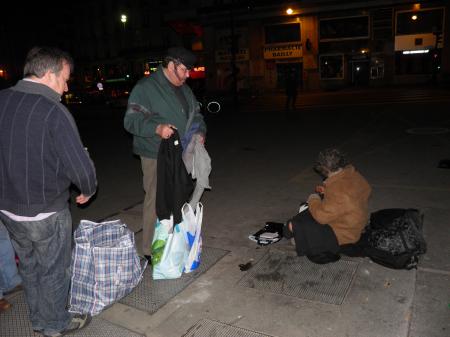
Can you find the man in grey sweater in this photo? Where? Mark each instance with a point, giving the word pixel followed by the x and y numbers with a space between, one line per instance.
pixel 41 155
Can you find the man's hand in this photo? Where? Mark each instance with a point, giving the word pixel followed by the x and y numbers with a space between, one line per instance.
pixel 82 199
pixel 165 131
pixel 320 189
pixel 201 138
pixel 313 196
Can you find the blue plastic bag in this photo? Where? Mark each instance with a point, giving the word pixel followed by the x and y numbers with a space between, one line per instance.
pixel 193 224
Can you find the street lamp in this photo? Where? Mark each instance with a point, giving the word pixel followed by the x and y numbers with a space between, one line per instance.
pixel 289 11
pixel 123 19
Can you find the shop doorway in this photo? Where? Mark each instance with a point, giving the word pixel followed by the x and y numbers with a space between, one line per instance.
pixel 360 72
pixel 284 70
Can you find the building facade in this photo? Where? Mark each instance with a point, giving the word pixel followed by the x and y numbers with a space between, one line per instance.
pixel 328 44
pixel 253 45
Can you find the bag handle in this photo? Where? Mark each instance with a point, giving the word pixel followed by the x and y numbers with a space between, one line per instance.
pixel 91 224
pixel 199 213
pixel 186 204
pixel 142 270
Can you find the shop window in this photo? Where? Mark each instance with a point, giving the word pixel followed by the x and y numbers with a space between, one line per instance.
pixel 413 64
pixel 282 33
pixel 425 21
pixel 377 71
pixel 356 27
pixel 331 67
pixel 342 47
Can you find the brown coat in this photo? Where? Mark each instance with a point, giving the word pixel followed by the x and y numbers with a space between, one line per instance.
pixel 344 205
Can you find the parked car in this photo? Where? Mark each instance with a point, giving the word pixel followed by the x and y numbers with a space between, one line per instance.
pixel 74 98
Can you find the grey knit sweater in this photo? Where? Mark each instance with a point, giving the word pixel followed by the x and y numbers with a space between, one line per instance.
pixel 41 153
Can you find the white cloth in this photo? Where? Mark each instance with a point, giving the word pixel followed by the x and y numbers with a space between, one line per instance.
pixel 15 217
pixel 198 163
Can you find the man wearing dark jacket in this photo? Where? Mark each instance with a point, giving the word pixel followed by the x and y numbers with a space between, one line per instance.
pixel 41 155
pixel 158 104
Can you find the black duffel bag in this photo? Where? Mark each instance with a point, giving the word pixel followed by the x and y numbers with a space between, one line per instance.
pixel 394 238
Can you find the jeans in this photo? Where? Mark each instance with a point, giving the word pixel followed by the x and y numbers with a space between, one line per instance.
pixel 9 277
pixel 149 210
pixel 44 251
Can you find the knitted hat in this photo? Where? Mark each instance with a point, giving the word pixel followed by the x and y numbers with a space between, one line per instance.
pixel 183 56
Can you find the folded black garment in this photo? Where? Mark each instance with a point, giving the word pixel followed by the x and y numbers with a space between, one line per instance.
pixel 272 232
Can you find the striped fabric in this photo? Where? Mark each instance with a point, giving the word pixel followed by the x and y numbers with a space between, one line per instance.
pixel 105 266
pixel 41 152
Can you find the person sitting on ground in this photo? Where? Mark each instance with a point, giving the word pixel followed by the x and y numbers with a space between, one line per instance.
pixel 337 213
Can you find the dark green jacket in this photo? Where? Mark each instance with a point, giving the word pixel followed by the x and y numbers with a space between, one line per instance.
pixel 152 102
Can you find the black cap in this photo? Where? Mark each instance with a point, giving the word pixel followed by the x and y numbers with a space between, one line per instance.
pixel 183 56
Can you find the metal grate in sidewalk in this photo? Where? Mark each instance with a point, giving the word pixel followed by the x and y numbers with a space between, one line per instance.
pixel 150 295
pixel 288 274
pixel 208 328
pixel 16 323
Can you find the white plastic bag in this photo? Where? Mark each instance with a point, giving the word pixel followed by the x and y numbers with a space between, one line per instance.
pixel 175 250
pixel 193 224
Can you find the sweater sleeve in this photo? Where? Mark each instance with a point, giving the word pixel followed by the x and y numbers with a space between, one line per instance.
pixel 139 118
pixel 328 209
pixel 198 117
pixel 77 164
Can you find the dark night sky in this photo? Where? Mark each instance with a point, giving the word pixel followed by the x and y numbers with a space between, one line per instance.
pixel 30 23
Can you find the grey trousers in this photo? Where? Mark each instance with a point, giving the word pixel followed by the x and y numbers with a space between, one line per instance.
pixel 149 207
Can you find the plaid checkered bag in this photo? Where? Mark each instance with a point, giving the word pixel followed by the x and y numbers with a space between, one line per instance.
pixel 105 266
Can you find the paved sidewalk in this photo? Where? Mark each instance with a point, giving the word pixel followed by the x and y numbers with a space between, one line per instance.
pixel 262 170
pixel 265 182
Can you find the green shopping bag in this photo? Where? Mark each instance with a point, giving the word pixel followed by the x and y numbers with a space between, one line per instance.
pixel 169 250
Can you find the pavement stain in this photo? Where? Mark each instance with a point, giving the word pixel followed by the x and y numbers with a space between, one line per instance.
pixel 274 276
pixel 273 262
pixel 401 299
pixel 309 284
pixel 339 276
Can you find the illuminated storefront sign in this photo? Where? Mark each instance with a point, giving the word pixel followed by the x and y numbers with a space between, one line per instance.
pixel 224 55
pixel 197 72
pixel 289 50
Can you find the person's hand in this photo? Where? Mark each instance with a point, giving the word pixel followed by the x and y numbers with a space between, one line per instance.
pixel 201 138
pixel 290 227
pixel 165 131
pixel 82 199
pixel 313 196
pixel 320 189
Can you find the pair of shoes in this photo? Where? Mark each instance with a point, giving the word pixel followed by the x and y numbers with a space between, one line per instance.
pixel 78 322
pixel 4 305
